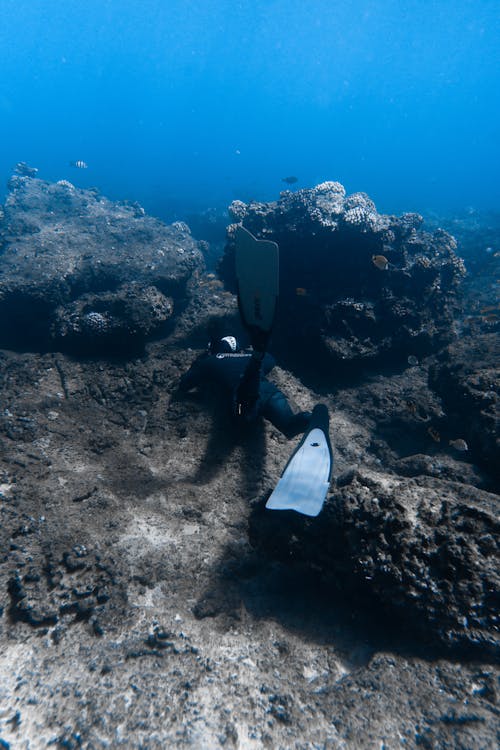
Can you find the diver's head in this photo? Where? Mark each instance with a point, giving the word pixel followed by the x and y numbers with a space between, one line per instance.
pixel 224 345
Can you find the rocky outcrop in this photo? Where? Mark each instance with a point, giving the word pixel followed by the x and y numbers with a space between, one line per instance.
pixel 427 548
pixel 467 378
pixel 355 285
pixel 77 270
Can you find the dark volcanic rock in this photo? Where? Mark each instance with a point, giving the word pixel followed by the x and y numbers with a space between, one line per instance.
pixel 467 378
pixel 334 299
pixel 69 253
pixel 117 319
pixel 427 548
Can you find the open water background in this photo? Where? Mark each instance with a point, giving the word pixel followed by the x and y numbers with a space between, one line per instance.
pixel 186 105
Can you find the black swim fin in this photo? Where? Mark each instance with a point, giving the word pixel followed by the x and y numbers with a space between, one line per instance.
pixel 257 272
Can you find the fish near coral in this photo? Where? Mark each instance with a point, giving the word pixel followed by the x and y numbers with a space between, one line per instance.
pixel 79 164
pixel 380 262
pixel 459 444
pixel 290 180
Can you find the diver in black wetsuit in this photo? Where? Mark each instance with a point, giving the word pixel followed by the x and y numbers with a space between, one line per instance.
pixel 225 364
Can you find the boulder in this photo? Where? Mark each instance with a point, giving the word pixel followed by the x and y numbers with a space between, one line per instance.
pixel 427 549
pixel 67 254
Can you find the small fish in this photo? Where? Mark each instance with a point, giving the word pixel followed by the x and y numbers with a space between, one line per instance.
pixel 290 180
pixel 301 292
pixel 459 444
pixel 380 262
pixel 412 360
pixel 489 309
pixel 79 164
pixel 434 434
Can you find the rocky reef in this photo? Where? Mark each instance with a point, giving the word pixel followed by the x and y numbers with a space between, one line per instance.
pixel 427 549
pixel 147 598
pixel 81 273
pixel 355 286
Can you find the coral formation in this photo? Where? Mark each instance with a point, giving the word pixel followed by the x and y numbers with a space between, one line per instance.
pixel 349 308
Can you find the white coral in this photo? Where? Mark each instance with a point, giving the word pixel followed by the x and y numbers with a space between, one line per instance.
pixel 335 188
pixel 360 200
pixel 95 322
pixel 355 216
pixel 361 217
pixel 238 210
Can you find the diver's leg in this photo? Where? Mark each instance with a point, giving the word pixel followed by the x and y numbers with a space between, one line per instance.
pixel 274 406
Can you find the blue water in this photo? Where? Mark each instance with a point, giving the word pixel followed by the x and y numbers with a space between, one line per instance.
pixel 185 105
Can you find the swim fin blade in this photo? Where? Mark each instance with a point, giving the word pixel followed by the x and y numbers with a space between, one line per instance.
pixel 257 273
pixel 304 484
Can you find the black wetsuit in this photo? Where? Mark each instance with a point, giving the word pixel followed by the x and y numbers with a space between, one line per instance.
pixel 227 371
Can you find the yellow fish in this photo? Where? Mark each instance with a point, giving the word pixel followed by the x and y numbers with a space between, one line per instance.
pixel 380 262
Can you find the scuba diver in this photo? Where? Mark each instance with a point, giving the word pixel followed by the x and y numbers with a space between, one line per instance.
pixel 305 480
pixel 251 394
